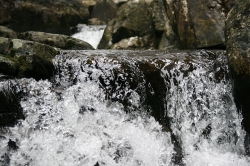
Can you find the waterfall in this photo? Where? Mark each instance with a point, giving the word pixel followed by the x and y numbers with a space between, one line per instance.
pixel 127 108
pixel 90 33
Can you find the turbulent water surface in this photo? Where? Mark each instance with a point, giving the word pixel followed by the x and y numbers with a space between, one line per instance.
pixel 97 111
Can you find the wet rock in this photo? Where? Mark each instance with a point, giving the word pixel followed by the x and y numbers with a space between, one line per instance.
pixel 56 40
pixel 55 16
pixel 237 40
pixel 8 33
pixel 31 59
pixel 10 109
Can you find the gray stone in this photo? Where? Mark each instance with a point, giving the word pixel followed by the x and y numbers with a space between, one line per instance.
pixel 8 33
pixel 56 40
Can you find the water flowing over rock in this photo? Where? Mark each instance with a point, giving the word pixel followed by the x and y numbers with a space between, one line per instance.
pixel 238 37
pixel 43 15
pixel 128 108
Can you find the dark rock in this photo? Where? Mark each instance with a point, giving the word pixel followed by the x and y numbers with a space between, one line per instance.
pixel 7 66
pixel 238 44
pixel 56 40
pixel 133 19
pixel 8 33
pixel 12 145
pixel 104 11
pixel 31 59
pixel 10 109
pixel 55 16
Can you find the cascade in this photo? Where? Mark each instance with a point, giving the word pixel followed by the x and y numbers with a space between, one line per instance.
pixel 90 33
pixel 107 107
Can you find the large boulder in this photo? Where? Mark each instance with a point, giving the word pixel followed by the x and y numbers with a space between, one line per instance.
pixel 238 51
pixel 29 59
pixel 56 40
pixel 104 11
pixel 55 16
pixel 198 23
pixel 137 18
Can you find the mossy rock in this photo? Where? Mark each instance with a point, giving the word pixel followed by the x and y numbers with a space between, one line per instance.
pixel 31 59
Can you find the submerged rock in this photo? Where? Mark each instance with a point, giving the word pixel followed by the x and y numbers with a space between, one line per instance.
pixel 238 37
pixel 55 16
pixel 56 40
pixel 31 59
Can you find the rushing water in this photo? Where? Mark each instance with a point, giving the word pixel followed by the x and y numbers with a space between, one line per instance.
pixel 100 110
pixel 90 33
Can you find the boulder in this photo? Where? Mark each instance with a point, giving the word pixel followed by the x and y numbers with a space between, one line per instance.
pixel 238 51
pixel 104 11
pixel 55 16
pixel 139 19
pixel 199 23
pixel 31 59
pixel 56 40
pixel 8 33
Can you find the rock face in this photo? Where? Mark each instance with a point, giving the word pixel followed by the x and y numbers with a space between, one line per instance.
pixel 56 40
pixel 43 15
pixel 27 58
pixel 180 24
pixel 238 50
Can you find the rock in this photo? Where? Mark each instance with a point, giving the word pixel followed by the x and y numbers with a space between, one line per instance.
pixel 133 43
pixel 238 51
pixel 55 16
pixel 104 11
pixel 140 18
pixel 96 21
pixel 198 23
pixel 10 109
pixel 8 33
pixel 31 59
pixel 7 66
pixel 56 40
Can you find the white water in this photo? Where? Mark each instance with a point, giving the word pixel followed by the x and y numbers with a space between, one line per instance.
pixel 90 33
